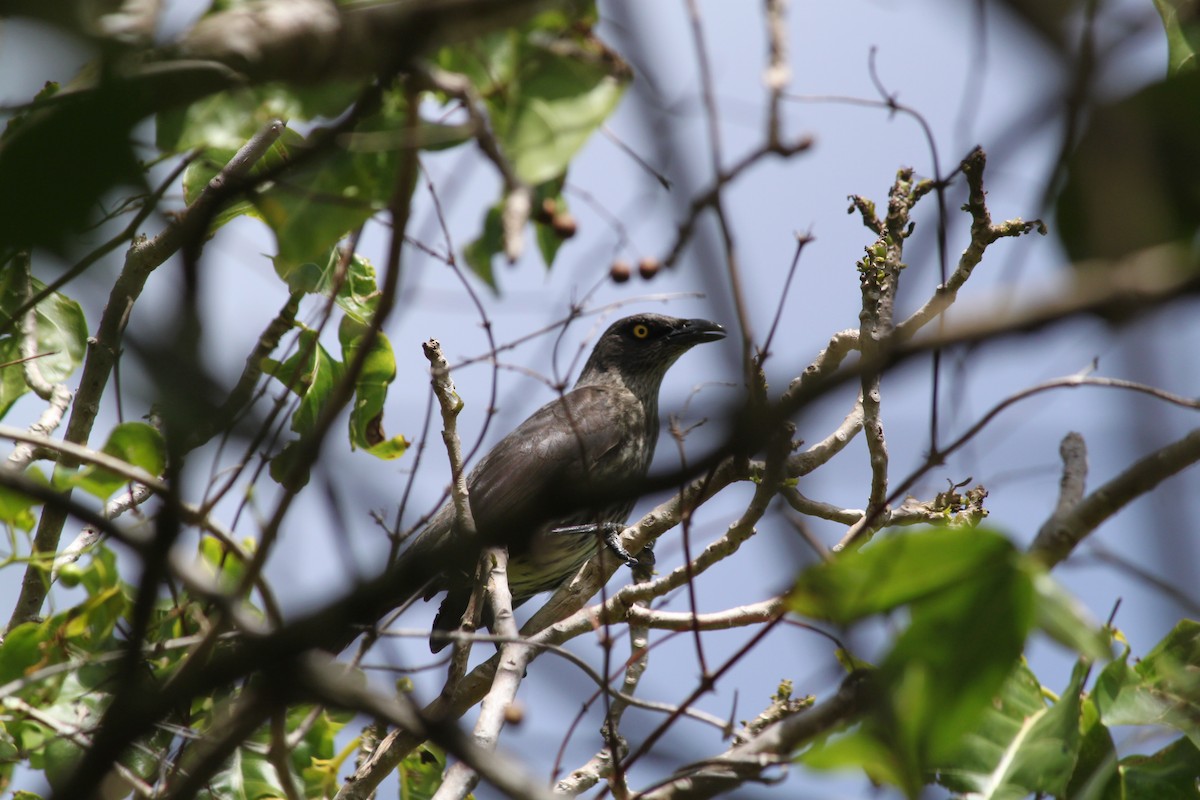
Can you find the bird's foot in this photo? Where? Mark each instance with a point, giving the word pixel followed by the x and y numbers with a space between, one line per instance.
pixel 611 531
pixel 645 558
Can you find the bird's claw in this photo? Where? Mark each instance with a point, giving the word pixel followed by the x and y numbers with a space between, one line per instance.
pixel 612 540
pixel 611 531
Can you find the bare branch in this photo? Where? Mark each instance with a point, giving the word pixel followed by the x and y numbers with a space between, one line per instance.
pixel 1073 484
pixel 500 702
pixel 772 747
pixel 1063 532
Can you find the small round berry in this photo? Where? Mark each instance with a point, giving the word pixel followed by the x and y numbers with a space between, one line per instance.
pixel 564 225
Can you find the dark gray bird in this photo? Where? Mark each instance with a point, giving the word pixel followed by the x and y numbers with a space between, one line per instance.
pixel 561 483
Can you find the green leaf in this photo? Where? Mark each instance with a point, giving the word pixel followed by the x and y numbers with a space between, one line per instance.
pixel 319 204
pixel 946 668
pixel 896 570
pixel 421 772
pixel 858 749
pixel 22 649
pixel 1133 181
pixel 350 282
pixel 81 700
pixel 135 443
pixel 560 102
pixel 1181 22
pixel 1169 774
pixel 331 194
pixel 971 608
pixel 1062 617
pixel 480 252
pixel 53 177
pixel 61 333
pixel 547 87
pixel 12 374
pixel 15 506
pixel 1021 747
pixel 200 172
pixel 370 391
pixel 226 567
pixel 225 120
pixel 314 756
pixel 1161 689
pixel 8 745
pixel 246 776
pixel 311 373
pixel 1095 776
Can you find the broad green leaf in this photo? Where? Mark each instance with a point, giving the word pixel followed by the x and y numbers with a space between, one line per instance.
pixel 61 333
pixel 370 391
pixel 1183 34
pixel 897 570
pixel 314 756
pixel 857 750
pixel 53 176
pixel 1062 617
pixel 318 203
pixel 225 566
pixel 1095 776
pixel 951 661
pixel 1022 746
pixel 1161 689
pixel 969 618
pixel 247 776
pixel 60 756
pixel 1133 182
pixel 204 168
pixel 350 282
pixel 313 207
pixel 16 507
pixel 490 61
pixel 1169 774
pixel 12 374
pixel 421 772
pixel 8 745
pixel 225 120
pixel 22 650
pixel 92 622
pixel 135 443
pixel 560 102
pixel 311 373
pixel 547 87
pixel 81 701
pixel 480 252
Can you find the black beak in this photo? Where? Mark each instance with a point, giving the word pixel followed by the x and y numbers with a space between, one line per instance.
pixel 697 331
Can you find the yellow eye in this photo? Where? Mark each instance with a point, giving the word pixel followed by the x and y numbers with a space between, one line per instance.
pixel 640 331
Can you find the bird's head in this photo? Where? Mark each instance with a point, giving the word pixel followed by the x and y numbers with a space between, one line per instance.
pixel 639 349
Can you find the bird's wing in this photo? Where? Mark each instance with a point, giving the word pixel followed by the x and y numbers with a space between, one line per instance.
pixel 528 478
